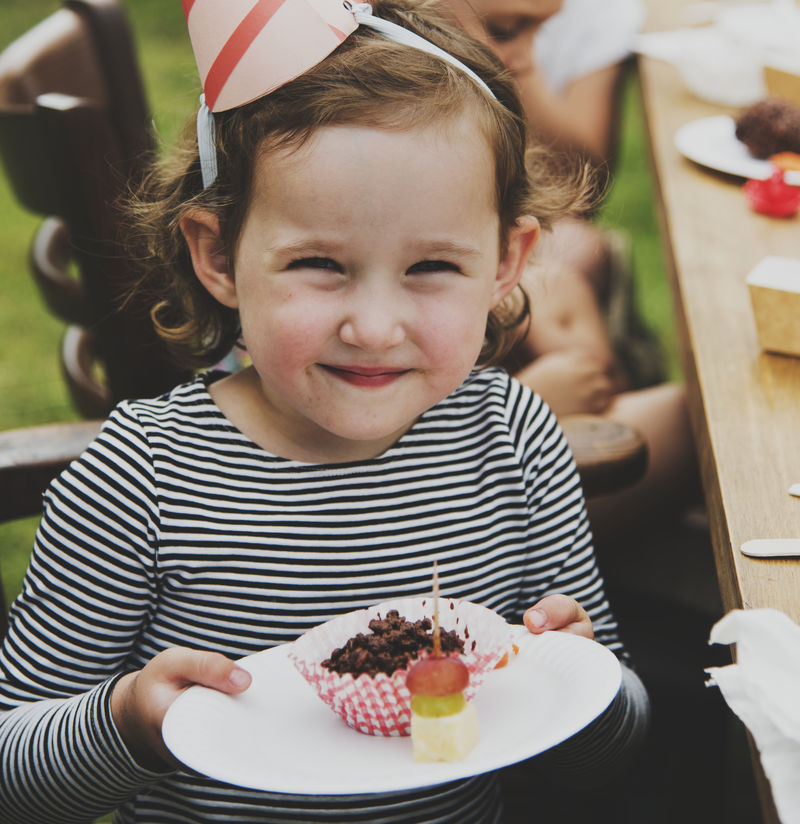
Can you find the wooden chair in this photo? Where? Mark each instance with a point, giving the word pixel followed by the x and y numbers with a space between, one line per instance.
pixel 74 128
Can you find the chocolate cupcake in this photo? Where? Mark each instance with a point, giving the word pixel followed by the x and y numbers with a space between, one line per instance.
pixel 769 127
pixel 358 662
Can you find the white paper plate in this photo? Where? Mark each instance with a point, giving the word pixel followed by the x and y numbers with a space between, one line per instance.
pixel 279 736
pixel 711 142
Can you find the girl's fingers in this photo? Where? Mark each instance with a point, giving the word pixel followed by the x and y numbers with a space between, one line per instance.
pixel 209 669
pixel 141 699
pixel 558 612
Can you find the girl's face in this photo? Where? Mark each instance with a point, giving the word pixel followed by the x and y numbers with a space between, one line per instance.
pixel 365 271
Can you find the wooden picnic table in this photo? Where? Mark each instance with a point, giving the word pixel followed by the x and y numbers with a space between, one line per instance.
pixel 744 403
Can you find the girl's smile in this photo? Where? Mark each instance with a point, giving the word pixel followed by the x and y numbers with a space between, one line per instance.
pixel 364 274
pixel 364 376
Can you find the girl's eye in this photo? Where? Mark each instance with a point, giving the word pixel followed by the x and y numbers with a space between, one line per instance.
pixel 315 263
pixel 425 266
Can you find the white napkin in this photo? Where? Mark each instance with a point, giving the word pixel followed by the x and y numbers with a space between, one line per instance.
pixel 763 689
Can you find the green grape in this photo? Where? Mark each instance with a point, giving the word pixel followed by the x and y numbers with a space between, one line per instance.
pixel 437 706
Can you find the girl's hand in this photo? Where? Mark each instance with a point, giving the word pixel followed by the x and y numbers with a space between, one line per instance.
pixel 140 699
pixel 559 612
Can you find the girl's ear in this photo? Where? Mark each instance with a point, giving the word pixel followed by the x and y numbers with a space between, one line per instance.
pixel 210 262
pixel 519 245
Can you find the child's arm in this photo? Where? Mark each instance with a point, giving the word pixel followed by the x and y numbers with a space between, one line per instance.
pixel 558 524
pixel 90 588
pixel 62 760
pixel 600 751
pixel 571 381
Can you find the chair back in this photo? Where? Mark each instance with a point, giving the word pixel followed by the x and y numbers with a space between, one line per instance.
pixel 75 130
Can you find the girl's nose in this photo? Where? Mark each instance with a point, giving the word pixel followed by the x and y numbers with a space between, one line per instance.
pixel 374 321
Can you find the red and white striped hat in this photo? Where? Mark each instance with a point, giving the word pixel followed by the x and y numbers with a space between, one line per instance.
pixel 247 48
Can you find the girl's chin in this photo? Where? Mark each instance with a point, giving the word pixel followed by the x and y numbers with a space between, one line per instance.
pixel 360 441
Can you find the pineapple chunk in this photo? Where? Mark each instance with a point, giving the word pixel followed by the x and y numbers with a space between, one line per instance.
pixel 446 738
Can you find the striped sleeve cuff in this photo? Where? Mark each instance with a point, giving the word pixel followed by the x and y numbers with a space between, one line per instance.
pixel 64 760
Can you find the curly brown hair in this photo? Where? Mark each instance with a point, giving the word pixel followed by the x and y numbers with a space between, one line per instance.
pixel 367 81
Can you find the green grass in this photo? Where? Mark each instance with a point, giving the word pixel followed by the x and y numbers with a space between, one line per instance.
pixel 630 206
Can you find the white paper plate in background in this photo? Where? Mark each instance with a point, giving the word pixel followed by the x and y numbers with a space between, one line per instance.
pixel 711 142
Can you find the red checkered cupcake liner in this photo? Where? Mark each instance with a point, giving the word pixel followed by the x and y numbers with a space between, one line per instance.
pixel 381 705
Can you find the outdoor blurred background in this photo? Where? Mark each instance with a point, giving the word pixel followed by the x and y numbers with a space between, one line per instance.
pixel 31 388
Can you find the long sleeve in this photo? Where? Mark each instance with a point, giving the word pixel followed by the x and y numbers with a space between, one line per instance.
pixel 558 525
pixel 597 754
pixel 63 760
pixel 85 596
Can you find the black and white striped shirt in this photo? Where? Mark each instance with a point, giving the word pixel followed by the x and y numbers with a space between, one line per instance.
pixel 175 529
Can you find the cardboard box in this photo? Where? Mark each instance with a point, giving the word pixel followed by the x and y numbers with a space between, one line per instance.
pixel 774 286
pixel 784 82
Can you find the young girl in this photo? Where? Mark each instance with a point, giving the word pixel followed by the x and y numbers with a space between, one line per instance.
pixel 362 227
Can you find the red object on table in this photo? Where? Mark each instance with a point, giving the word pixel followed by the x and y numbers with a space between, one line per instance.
pixel 773 196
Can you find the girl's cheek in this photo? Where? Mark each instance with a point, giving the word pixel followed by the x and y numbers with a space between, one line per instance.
pixel 456 330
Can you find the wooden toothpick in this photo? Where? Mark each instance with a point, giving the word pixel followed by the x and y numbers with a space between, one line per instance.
pixel 437 641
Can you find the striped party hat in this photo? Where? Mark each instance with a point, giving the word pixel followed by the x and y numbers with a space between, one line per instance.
pixel 246 48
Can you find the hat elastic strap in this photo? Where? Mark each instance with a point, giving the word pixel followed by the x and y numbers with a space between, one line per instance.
pixel 206 144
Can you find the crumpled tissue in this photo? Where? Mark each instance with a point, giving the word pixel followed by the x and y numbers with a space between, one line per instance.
pixel 763 689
